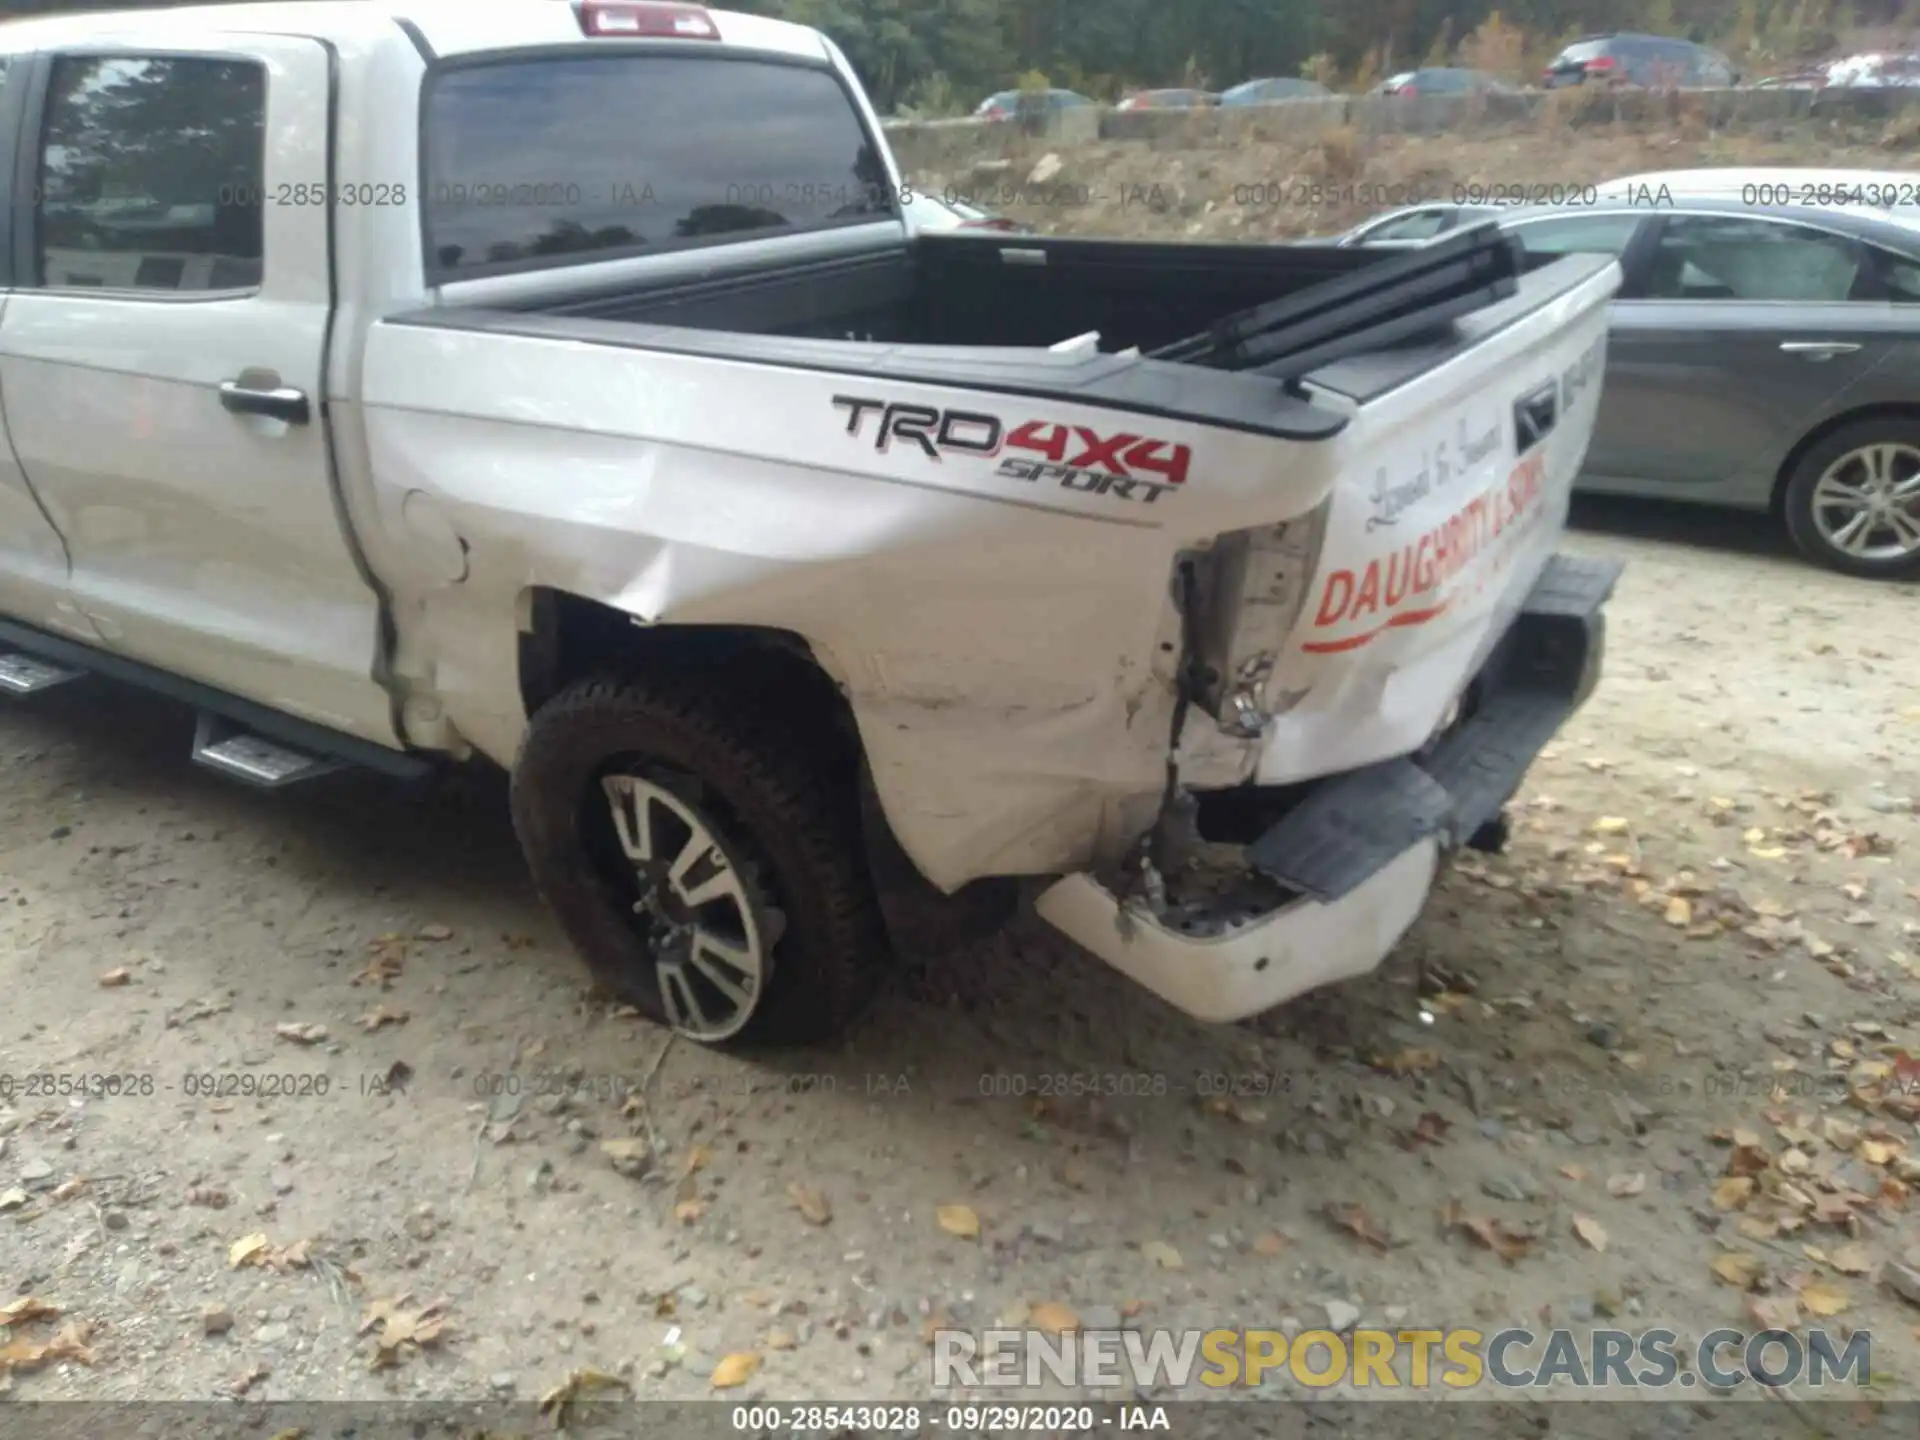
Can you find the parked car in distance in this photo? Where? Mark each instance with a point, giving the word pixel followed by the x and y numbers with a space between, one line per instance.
pixel 1625 58
pixel 1273 90
pixel 1006 104
pixel 1803 79
pixel 931 213
pixel 1440 80
pixel 1175 99
pixel 1874 72
pixel 1760 357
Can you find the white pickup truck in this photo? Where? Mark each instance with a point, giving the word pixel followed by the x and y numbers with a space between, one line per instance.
pixel 558 385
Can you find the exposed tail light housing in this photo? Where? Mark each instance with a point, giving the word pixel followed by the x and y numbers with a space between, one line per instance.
pixel 994 222
pixel 646 20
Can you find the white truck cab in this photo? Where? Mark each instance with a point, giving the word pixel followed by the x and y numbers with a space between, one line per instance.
pixel 559 385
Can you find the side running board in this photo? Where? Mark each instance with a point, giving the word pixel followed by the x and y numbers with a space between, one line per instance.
pixel 24 675
pixel 253 759
pixel 244 741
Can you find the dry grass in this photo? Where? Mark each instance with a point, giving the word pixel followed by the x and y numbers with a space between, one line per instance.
pixel 1257 187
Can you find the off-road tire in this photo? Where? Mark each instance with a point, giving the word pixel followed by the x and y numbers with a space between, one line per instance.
pixel 1796 500
pixel 784 804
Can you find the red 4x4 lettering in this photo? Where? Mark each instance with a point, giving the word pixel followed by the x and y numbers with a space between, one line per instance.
pixel 1124 455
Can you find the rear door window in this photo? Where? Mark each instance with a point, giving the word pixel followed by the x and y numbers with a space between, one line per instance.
pixel 542 162
pixel 1743 258
pixel 152 174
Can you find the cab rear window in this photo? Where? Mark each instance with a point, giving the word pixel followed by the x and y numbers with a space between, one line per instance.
pixel 553 161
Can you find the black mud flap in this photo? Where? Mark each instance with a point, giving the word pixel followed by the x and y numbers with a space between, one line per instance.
pixel 1542 671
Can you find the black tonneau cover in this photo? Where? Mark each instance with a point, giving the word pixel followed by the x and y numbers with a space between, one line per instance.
pixel 1387 303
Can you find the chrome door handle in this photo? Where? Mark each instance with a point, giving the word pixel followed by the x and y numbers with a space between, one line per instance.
pixel 1818 349
pixel 279 402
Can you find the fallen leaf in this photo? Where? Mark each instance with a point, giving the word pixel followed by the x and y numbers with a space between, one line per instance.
pixel 1851 1260
pixel 1738 1268
pixel 557 1404
pixel 1679 912
pixel 248 1250
pixel 735 1370
pixel 301 1034
pixel 1733 1192
pixel 435 932
pixel 811 1204
pixel 1495 1236
pixel 13 1199
pixel 780 1339
pixel 297 1256
pixel 25 1309
pixel 1773 1313
pixel 1878 1152
pixel 1575 1173
pixel 1162 1254
pixel 1355 1220
pixel 1757 1227
pixel 115 978
pixel 1054 1318
pixel 688 1211
pixel 1622 1187
pixel 380 1015
pixel 1489 1232
pixel 959 1220
pixel 697 1160
pixel 67 1189
pixel 1611 825
pixel 1591 1231
pixel 398 1329
pixel 383 965
pixel 1410 1061
pixel 1823 1298
pixel 70 1343
pixel 1270 1244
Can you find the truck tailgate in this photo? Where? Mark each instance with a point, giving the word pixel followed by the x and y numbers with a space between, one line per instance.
pixel 1456 473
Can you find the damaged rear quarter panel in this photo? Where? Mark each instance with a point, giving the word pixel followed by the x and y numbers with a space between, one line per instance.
pixel 1007 644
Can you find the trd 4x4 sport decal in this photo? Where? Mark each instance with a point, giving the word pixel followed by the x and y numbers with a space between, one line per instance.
pixel 1127 467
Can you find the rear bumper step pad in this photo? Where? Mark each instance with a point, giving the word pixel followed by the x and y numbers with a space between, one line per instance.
pixel 1350 827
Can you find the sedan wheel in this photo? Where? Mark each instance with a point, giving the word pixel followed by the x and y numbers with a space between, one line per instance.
pixel 1853 502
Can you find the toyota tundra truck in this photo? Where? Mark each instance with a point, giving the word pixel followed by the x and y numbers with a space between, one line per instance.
pixel 558 385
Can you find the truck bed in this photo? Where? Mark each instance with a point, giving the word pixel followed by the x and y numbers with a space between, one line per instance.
pixel 991 291
pixel 1018 316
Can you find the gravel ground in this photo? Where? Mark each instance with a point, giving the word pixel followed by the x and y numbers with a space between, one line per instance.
pixel 1707 924
pixel 362 1076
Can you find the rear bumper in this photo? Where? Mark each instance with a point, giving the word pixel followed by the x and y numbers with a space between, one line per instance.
pixel 1361 850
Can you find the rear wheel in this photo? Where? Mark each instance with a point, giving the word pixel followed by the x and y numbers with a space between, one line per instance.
pixel 708 868
pixel 1852 502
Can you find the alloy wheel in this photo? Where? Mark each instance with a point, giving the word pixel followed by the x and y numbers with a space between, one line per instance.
pixel 709 933
pixel 1867 503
